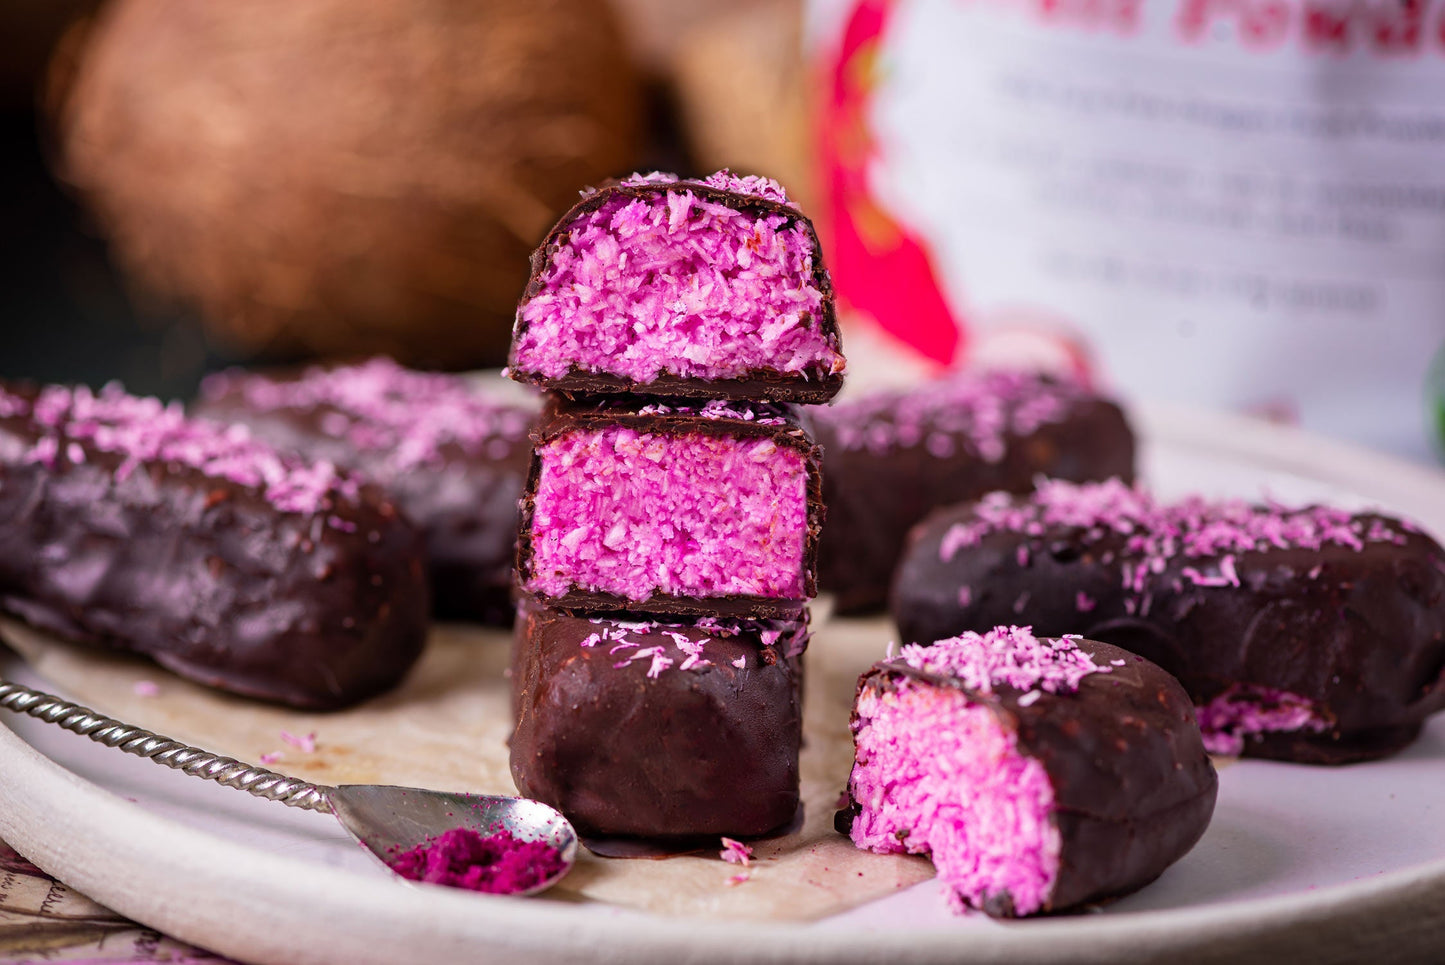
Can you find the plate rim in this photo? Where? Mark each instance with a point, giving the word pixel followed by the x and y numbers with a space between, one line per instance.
pixel 61 822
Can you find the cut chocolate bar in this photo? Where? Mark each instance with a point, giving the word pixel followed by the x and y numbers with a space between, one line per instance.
pixel 125 524
pixel 708 289
pixel 452 455
pixel 659 730
pixel 678 508
pixel 891 457
pixel 1313 634
pixel 1037 774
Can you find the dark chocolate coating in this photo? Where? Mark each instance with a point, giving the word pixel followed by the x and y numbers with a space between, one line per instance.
pixel 686 754
pixel 465 505
pixel 563 417
pixel 1133 787
pixel 875 497
pixel 1363 639
pixel 207 578
pixel 759 385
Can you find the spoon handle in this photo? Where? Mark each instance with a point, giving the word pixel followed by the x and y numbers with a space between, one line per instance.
pixel 226 771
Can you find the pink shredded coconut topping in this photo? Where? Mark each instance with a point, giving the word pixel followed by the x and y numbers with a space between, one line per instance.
pixel 146 430
pixel 1004 656
pixel 1194 528
pixel 632 642
pixel 1245 709
pixel 638 514
pixel 735 852
pixel 761 413
pixel 979 410
pixel 938 774
pixel 379 406
pixel 724 180
pixel 678 285
pixel 305 743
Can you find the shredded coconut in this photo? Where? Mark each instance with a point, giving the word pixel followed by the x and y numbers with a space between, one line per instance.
pixel 691 653
pixel 1004 656
pixel 637 514
pixel 305 743
pixel 1155 533
pixel 1245 710
pixel 735 852
pixel 380 407
pixel 144 431
pixel 977 410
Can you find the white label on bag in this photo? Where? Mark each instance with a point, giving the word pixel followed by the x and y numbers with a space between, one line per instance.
pixel 1232 202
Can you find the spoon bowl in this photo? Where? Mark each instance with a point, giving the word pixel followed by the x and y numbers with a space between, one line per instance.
pixel 388 821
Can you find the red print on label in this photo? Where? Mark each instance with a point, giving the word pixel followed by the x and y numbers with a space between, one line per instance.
pixel 880 267
pixel 1382 27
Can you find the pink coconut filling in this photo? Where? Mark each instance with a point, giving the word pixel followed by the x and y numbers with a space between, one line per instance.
pixel 677 285
pixel 937 774
pixel 1244 710
pixel 693 515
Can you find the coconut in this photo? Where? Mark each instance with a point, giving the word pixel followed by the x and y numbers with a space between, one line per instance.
pixel 343 178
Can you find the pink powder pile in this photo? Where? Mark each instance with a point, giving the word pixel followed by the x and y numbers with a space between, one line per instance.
pixel 679 285
pixel 146 430
pixel 498 863
pixel 1245 710
pixel 379 406
pixel 764 414
pixel 982 408
pixel 937 774
pixel 695 515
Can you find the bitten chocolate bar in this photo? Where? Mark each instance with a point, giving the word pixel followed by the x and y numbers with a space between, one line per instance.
pixel 1037 774
pixel 891 457
pixel 710 289
pixel 1312 634
pixel 706 509
pixel 659 730
pixel 453 456
pixel 125 524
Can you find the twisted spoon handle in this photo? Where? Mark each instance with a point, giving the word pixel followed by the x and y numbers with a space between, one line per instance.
pixel 142 743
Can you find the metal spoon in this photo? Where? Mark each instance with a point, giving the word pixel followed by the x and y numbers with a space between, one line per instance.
pixel 385 820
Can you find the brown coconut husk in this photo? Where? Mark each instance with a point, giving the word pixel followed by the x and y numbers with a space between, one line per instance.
pixel 342 178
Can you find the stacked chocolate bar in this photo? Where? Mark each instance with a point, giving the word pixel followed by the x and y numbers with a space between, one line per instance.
pixel 671 516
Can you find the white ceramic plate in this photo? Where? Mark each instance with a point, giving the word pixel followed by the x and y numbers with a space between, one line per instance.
pixel 1299 863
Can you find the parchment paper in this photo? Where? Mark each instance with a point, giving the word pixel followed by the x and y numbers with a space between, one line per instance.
pixel 446 728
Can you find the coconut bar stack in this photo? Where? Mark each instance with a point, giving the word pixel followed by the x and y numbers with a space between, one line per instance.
pixel 671 515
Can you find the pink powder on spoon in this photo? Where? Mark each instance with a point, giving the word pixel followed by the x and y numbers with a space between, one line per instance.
pixel 498 863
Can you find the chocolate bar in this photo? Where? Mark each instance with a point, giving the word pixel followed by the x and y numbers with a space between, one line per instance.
pixel 706 289
pixel 452 455
pixel 695 509
pixel 659 730
pixel 891 457
pixel 1313 634
pixel 1037 774
pixel 127 525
